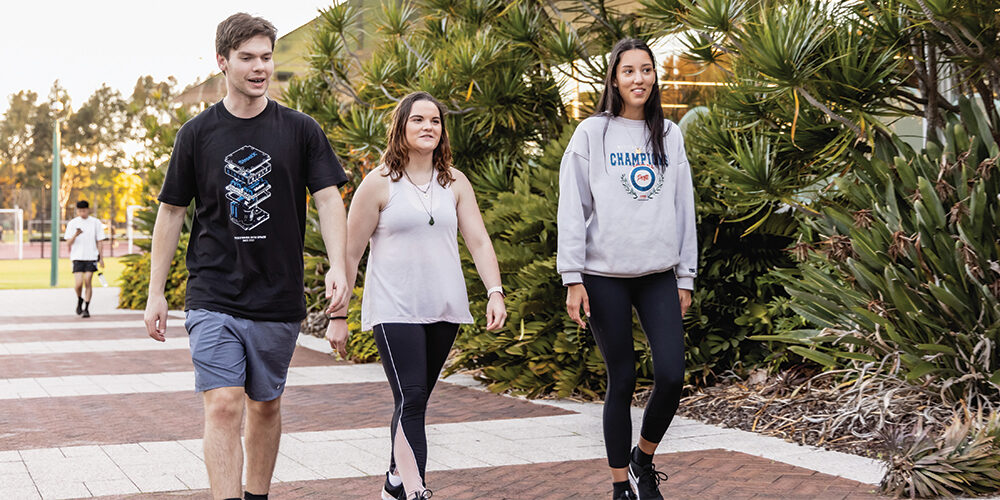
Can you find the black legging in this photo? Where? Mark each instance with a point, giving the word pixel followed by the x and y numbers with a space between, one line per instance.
pixel 412 356
pixel 655 300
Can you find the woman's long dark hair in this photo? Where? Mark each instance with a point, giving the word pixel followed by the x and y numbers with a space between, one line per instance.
pixel 397 152
pixel 611 102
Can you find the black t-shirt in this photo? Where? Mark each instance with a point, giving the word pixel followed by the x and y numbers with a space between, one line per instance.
pixel 248 178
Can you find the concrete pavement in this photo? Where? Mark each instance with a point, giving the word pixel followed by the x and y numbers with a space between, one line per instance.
pixel 93 407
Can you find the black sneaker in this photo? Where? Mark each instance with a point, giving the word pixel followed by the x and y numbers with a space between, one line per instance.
pixel 390 492
pixel 422 495
pixel 646 480
pixel 86 314
pixel 625 495
pixel 79 306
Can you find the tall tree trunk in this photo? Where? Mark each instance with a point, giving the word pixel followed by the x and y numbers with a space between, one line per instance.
pixel 932 114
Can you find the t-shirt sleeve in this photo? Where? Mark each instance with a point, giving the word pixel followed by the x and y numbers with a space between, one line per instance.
pixel 99 230
pixel 70 229
pixel 179 184
pixel 322 169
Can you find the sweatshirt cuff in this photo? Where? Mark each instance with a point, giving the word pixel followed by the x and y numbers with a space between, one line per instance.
pixel 572 278
pixel 682 282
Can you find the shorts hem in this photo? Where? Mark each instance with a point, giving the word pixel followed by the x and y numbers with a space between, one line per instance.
pixel 209 387
pixel 269 398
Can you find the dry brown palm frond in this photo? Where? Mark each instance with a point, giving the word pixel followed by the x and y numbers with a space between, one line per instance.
pixel 863 218
pixel 964 458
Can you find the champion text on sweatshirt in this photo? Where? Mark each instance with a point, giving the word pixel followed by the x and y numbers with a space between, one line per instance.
pixel 619 214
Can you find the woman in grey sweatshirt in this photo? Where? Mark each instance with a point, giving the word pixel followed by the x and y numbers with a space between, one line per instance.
pixel 627 239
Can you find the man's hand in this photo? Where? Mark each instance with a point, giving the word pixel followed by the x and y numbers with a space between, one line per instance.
pixel 336 334
pixel 685 297
pixel 336 289
pixel 496 312
pixel 576 297
pixel 156 317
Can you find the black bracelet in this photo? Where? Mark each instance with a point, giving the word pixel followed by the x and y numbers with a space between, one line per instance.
pixel 331 318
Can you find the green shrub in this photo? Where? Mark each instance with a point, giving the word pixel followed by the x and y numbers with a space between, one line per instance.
pixel 901 276
pixel 735 296
pixel 539 350
pixel 361 346
pixel 134 280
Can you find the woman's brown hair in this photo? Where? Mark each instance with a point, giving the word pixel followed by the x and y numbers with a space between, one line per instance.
pixel 611 102
pixel 397 152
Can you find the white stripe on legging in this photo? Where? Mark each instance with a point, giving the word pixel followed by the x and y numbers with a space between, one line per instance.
pixel 402 403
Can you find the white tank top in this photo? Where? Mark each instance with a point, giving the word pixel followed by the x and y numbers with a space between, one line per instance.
pixel 414 272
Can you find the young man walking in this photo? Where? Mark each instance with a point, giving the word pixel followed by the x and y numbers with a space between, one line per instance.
pixel 247 163
pixel 84 234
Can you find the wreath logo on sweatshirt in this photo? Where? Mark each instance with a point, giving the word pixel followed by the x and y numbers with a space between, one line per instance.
pixel 642 182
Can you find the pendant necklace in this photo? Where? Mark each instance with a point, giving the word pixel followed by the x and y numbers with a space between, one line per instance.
pixel 427 193
pixel 638 149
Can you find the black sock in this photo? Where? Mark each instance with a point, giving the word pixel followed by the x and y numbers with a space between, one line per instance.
pixel 620 487
pixel 86 306
pixel 251 496
pixel 79 301
pixel 641 458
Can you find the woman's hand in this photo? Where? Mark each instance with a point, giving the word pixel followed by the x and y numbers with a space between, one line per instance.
pixel 496 312
pixel 576 297
pixel 685 296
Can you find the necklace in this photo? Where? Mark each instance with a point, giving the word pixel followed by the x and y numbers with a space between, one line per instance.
pixel 422 191
pixel 428 193
pixel 638 149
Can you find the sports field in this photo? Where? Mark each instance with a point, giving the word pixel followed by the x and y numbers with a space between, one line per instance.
pixel 34 273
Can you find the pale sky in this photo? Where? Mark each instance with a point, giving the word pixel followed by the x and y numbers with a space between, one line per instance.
pixel 86 43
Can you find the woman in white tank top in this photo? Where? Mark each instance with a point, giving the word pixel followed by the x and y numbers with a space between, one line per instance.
pixel 410 210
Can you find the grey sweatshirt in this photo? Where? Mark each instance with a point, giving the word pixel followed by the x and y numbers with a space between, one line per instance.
pixel 619 216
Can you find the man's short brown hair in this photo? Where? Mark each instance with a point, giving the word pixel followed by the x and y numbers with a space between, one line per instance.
pixel 239 28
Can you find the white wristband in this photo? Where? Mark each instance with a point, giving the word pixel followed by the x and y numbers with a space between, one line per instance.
pixel 491 291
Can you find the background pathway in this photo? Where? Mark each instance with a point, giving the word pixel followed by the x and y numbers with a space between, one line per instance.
pixel 93 407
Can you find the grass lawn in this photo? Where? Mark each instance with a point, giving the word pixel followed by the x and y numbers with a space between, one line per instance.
pixel 34 273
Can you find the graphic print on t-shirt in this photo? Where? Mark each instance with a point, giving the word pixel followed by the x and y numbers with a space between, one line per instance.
pixel 642 179
pixel 248 166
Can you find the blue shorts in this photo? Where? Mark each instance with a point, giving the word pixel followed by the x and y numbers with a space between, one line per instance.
pixel 237 352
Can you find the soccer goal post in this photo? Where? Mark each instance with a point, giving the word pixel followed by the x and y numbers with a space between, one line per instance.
pixel 18 226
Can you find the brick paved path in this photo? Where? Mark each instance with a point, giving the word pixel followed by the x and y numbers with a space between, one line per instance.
pixel 134 433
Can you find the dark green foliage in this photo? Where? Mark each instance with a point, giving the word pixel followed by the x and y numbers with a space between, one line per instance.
pixel 134 280
pixel 903 273
pixel 361 346
pixel 478 58
pixel 539 350
pixel 734 296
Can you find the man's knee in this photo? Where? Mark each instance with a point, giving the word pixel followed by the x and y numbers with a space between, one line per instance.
pixel 224 405
pixel 264 410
